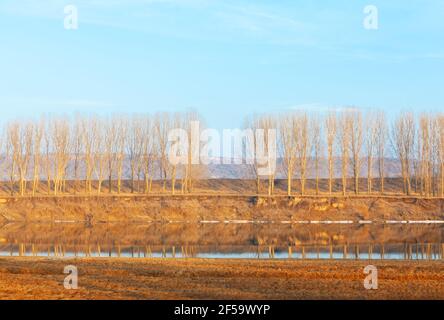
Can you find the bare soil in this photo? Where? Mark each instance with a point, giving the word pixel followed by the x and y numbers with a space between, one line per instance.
pixel 41 278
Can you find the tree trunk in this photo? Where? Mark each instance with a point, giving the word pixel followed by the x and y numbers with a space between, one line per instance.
pixel 369 176
pixel 110 183
pixel 289 185
pixel 173 181
pixel 258 183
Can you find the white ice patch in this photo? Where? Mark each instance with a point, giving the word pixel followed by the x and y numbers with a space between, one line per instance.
pixel 331 222
pixel 426 221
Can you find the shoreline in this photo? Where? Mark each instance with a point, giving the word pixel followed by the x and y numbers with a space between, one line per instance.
pixel 295 222
pixel 198 208
pixel 147 279
pixel 5 197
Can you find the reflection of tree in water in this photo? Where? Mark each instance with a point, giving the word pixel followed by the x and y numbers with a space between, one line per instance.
pixel 218 234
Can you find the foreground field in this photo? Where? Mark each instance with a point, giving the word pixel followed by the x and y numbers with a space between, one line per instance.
pixel 39 278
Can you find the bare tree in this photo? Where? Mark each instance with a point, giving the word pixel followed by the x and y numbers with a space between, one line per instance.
pixel 148 158
pixel 435 155
pixel 403 139
pixel 25 157
pixel 4 156
pixel 288 147
pixel 440 125
pixel 354 120
pixel 251 145
pixel 424 146
pixel 134 148
pixel 100 154
pixel 121 139
pixel 48 158
pixel 268 123
pixel 302 147
pixel 89 137
pixel 192 170
pixel 77 147
pixel 176 123
pixel 110 148
pixel 371 129
pixel 61 139
pixel 38 136
pixel 344 136
pixel 11 166
pixel 317 148
pixel 162 126
pixel 381 142
pixel 331 130
pixel 13 133
pixel 20 141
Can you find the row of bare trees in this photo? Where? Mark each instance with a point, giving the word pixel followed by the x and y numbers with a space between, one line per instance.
pixel 333 152
pixel 80 154
pixel 340 146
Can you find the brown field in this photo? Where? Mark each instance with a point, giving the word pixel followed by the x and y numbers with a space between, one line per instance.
pixel 40 278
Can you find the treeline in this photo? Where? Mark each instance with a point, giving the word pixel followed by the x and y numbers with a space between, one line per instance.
pixel 94 154
pixel 88 152
pixel 355 139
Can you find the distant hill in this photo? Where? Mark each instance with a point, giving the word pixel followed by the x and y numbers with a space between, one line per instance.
pixel 233 171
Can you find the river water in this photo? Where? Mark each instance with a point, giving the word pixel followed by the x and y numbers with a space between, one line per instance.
pixel 225 240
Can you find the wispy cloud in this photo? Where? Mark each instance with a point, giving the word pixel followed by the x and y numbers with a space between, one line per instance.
pixel 222 19
pixel 48 102
pixel 51 8
pixel 259 18
pixel 265 24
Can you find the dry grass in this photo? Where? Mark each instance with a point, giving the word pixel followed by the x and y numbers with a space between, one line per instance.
pixel 39 278
pixel 245 187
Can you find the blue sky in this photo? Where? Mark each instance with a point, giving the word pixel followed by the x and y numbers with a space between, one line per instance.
pixel 225 59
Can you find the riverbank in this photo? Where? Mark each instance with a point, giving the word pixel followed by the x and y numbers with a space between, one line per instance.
pixel 212 207
pixel 41 278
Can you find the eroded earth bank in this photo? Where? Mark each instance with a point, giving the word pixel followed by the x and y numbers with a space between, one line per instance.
pixel 199 208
